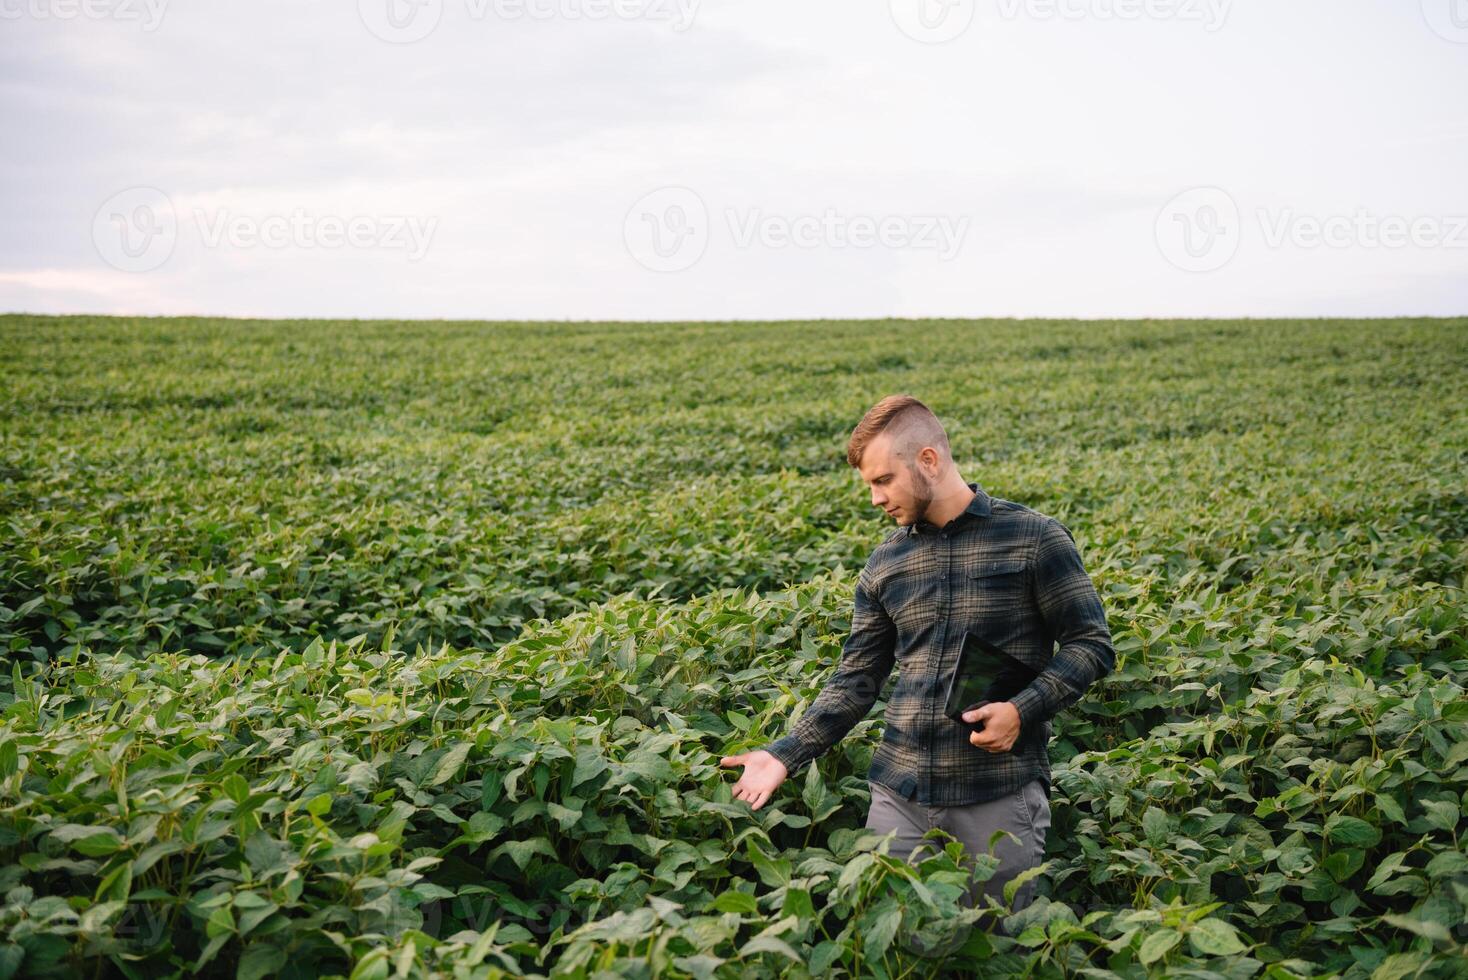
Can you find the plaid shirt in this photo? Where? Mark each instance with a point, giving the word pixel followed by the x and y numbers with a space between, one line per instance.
pixel 1000 569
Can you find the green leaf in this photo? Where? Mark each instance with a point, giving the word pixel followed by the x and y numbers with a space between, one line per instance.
pixel 564 816
pixel 1390 808
pixel 703 966
pixel 117 885
pixel 1442 814
pixel 91 841
pixel 814 791
pixel 1343 864
pixel 260 960
pixel 768 944
pixel 1398 966
pixel 520 851
pixel 1385 868
pixel 882 924
pixel 738 902
pixel 798 903
pixel 1154 823
pixel 590 762
pixel 448 766
pixel 220 923
pixel 11 957
pixel 1351 830
pixel 1435 931
pixel 1458 754
pixel 1156 945
pixel 1214 937
pixel 773 872
pixel 826 952
pixel 373 966
pixel 490 789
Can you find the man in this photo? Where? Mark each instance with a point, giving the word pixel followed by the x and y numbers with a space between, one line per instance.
pixel 959 561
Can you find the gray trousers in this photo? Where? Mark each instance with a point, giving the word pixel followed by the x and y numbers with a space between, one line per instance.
pixel 1025 813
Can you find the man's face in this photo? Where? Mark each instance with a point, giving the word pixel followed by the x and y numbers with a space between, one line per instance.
pixel 898 487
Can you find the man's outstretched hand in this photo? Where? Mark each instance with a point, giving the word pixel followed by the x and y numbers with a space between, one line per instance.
pixel 763 774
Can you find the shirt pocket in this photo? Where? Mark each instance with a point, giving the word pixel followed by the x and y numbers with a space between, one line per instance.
pixel 999 574
pixel 998 597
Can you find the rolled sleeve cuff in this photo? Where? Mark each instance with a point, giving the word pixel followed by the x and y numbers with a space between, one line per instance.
pixel 1031 707
pixel 788 750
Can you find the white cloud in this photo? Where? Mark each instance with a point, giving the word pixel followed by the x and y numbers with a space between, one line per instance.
pixel 1057 139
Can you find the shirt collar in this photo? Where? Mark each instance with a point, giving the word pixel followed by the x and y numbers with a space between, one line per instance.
pixel 980 506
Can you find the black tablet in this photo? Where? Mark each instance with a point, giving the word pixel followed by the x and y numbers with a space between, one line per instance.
pixel 983 673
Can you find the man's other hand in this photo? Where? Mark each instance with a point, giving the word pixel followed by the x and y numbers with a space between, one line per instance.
pixel 1001 726
pixel 763 774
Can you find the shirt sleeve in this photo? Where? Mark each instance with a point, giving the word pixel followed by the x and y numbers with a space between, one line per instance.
pixel 866 660
pixel 1073 617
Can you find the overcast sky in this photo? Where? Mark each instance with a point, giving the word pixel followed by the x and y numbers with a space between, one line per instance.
pixel 712 159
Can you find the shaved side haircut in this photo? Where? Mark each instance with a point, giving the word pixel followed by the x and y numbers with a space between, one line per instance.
pixel 909 423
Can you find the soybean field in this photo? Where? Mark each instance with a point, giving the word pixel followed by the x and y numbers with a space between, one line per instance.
pixel 382 649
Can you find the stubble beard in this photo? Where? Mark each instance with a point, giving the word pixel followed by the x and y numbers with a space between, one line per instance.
pixel 922 495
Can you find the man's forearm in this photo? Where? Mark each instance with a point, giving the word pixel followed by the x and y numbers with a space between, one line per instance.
pixel 866 660
pixel 1076 666
pixel 1073 614
pixel 844 701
